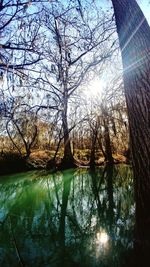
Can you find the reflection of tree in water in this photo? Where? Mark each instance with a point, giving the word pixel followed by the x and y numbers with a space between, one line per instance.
pixel 109 171
pixel 74 218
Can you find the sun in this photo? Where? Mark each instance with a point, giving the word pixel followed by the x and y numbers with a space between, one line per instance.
pixel 94 88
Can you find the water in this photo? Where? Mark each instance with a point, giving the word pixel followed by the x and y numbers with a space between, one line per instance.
pixel 71 218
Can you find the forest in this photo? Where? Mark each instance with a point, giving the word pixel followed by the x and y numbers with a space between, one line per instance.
pixel 74 133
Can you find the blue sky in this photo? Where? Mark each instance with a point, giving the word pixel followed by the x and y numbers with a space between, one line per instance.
pixel 145 6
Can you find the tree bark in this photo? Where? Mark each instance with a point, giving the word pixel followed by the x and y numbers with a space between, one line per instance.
pixel 93 147
pixel 68 160
pixel 134 37
pixel 108 149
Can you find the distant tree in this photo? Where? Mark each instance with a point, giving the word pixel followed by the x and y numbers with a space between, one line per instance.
pixel 21 126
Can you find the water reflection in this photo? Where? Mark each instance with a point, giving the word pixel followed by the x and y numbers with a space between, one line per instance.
pixel 74 218
pixel 102 238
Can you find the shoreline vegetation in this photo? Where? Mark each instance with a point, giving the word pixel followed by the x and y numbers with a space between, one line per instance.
pixel 12 162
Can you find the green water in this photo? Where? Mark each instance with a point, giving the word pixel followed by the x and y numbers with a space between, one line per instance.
pixel 71 218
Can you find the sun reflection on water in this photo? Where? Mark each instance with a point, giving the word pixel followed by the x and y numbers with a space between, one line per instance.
pixel 102 243
pixel 102 238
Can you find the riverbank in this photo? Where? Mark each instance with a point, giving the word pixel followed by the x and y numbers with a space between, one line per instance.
pixel 11 162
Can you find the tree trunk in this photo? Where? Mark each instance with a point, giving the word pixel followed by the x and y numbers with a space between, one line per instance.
pixel 68 160
pixel 93 146
pixel 101 146
pixel 108 149
pixel 134 37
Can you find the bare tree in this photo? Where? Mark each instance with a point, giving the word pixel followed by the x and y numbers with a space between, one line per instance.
pixel 77 45
pixel 19 32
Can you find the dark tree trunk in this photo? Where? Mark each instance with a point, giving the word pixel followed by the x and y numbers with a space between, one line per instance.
pixel 134 38
pixel 101 146
pixel 68 160
pixel 108 149
pixel 93 146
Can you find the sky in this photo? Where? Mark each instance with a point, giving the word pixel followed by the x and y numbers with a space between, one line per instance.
pixel 145 6
pixel 101 82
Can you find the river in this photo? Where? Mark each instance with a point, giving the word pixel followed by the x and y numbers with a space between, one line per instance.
pixel 77 217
